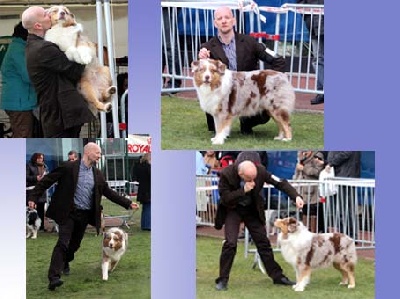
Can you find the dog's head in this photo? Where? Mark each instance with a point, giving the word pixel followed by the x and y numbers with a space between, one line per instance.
pixel 115 239
pixel 31 215
pixel 287 225
pixel 207 71
pixel 60 14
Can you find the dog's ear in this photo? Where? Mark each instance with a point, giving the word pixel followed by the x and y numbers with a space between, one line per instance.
pixel 292 225
pixel 195 65
pixel 221 67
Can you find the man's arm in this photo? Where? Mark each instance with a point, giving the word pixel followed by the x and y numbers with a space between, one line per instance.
pixel 118 199
pixel 55 60
pixel 229 197
pixel 45 183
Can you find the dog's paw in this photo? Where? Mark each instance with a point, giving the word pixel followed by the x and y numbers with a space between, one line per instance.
pixel 299 288
pixel 217 140
pixel 86 58
pixel 112 90
pixel 106 107
pixel 105 278
pixel 351 286
pixel 286 139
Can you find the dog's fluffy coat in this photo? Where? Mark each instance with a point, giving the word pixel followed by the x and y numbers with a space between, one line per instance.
pixel 96 83
pixel 305 251
pixel 115 242
pixel 226 94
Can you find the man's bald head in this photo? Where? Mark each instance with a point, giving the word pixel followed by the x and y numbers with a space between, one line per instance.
pixel 36 20
pixel 223 10
pixel 247 170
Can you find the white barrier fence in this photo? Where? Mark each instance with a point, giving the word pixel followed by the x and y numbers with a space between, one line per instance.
pixel 186 25
pixel 350 210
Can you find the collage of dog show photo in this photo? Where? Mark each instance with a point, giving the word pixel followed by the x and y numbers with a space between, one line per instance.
pixel 259 191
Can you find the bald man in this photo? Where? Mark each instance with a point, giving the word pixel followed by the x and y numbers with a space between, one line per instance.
pixel 240 186
pixel 63 110
pixel 75 203
pixel 238 52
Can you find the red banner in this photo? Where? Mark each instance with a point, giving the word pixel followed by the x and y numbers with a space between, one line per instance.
pixel 139 144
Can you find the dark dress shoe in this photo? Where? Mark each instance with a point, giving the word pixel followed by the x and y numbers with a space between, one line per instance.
pixel 319 99
pixel 284 280
pixel 221 286
pixel 55 283
pixel 66 270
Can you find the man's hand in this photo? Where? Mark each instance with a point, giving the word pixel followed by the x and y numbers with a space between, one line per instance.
pixel 204 53
pixel 134 206
pixel 299 202
pixel 248 186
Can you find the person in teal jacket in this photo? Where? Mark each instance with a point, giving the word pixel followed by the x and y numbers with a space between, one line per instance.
pixel 18 96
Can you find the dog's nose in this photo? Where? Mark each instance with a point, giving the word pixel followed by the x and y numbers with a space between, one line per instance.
pixel 207 77
pixel 62 13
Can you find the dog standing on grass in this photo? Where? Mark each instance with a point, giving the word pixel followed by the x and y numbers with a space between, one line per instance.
pixel 227 94
pixel 305 251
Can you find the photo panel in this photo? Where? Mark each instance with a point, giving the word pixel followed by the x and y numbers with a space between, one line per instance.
pixel 269 218
pixel 96 37
pixel 263 85
pixel 88 216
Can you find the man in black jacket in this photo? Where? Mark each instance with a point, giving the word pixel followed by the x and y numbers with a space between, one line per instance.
pixel 62 109
pixel 240 53
pixel 240 189
pixel 75 203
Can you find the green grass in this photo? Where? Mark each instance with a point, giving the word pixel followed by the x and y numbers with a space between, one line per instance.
pixel 130 279
pixel 248 283
pixel 184 126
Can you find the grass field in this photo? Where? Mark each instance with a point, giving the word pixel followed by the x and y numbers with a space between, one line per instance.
pixel 183 126
pixel 130 279
pixel 246 282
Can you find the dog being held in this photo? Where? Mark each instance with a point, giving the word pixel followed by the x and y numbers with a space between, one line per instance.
pixel 96 83
pixel 33 223
pixel 226 94
pixel 305 251
pixel 115 242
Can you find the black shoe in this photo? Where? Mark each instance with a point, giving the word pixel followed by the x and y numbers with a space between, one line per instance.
pixel 221 286
pixel 284 280
pixel 55 283
pixel 66 270
pixel 319 99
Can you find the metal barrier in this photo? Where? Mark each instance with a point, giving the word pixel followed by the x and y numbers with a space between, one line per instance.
pixel 186 25
pixel 350 210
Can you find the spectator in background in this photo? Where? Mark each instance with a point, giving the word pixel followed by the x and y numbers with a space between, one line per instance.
pixel 308 167
pixel 36 169
pixel 62 108
pixel 211 161
pixel 143 177
pixel 72 155
pixel 346 164
pixel 201 167
pixel 240 53
pixel 18 96
pixel 315 24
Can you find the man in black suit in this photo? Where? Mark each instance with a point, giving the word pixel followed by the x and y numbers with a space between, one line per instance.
pixel 62 109
pixel 240 53
pixel 240 187
pixel 75 204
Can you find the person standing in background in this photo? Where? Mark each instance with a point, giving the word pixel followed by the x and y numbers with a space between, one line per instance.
pixel 346 164
pixel 143 176
pixel 315 24
pixel 36 169
pixel 18 96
